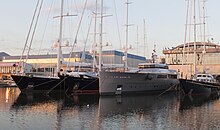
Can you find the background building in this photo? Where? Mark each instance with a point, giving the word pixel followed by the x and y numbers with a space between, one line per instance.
pixel 207 58
pixel 46 64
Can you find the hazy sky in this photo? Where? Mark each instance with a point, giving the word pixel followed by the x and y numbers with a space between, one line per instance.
pixel 165 21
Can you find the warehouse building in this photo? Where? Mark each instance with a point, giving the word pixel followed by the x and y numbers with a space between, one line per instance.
pixel 46 64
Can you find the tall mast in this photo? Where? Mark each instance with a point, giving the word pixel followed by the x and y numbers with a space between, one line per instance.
pixel 100 36
pixel 194 18
pixel 144 39
pixel 60 39
pixel 126 39
pixel 204 51
pixel 137 40
pixel 94 52
pixel 184 45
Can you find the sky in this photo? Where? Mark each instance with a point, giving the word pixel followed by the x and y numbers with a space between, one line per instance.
pixel 164 25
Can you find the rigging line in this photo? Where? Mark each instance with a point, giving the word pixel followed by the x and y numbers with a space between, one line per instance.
pixel 42 39
pixel 33 33
pixel 29 31
pixel 56 85
pixel 75 40
pixel 80 19
pixel 84 49
pixel 89 84
pixel 116 15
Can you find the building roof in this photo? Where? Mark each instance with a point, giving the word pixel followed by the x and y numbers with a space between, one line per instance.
pixel 8 64
pixel 2 54
pixel 209 47
pixel 76 55
pixel 201 44
pixel 119 53
pixel 73 55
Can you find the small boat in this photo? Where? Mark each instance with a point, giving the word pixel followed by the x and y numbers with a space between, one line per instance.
pixel 201 84
pixel 7 83
pixel 3 83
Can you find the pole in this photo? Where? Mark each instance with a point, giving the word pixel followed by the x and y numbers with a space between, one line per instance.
pixel 60 39
pixel 126 38
pixel 100 36
pixel 194 18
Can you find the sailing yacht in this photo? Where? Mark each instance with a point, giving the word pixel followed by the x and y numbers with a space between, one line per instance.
pixel 201 83
pixel 68 82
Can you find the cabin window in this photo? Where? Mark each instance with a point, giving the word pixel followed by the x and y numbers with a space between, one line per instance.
pixel 173 76
pixel 150 76
pixel 161 76
pixel 152 66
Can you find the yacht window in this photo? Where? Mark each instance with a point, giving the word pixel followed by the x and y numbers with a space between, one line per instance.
pixel 152 66
pixel 150 76
pixel 161 76
pixel 172 76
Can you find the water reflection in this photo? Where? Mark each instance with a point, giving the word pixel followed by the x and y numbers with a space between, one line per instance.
pixel 55 110
pixel 25 99
pixel 138 111
pixel 8 95
pixel 61 111
pixel 189 101
pixel 114 105
pixel 200 112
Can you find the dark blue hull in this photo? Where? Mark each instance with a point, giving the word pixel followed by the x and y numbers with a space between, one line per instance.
pixel 62 83
pixel 191 87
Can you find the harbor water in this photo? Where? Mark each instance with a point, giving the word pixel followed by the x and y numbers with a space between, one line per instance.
pixel 61 111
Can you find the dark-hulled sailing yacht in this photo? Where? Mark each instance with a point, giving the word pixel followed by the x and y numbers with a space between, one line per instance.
pixel 82 82
pixel 201 83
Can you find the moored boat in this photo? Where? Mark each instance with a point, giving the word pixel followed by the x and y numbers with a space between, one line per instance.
pixel 148 78
pixel 82 82
pixel 201 84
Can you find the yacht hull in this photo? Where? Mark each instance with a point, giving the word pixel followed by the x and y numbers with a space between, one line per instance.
pixel 62 83
pixel 191 87
pixel 124 82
